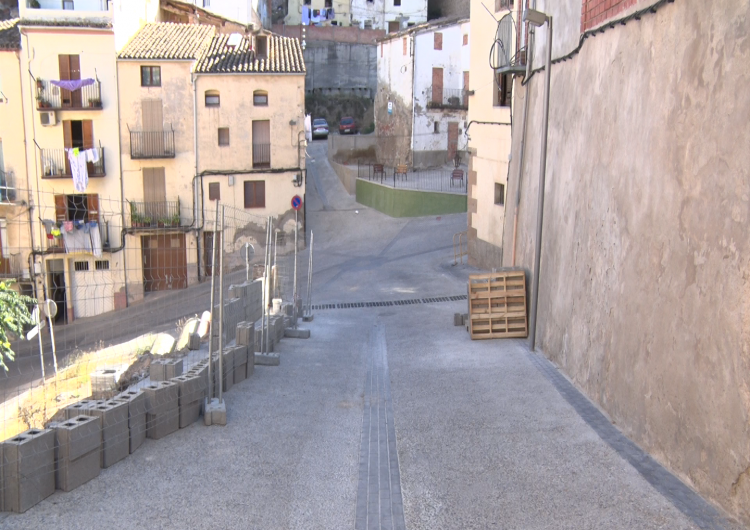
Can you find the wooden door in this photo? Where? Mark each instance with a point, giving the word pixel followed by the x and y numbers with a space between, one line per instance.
pixel 153 126
pixel 261 143
pixel 164 262
pixel 70 69
pixel 466 89
pixel 452 140
pixel 437 86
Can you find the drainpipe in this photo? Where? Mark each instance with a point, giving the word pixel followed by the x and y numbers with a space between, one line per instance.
pixel 122 183
pixel 529 54
pixel 413 90
pixel 28 186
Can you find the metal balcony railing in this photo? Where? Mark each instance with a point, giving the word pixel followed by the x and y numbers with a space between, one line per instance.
pixel 261 155
pixel 165 214
pixel 448 98
pixel 7 186
pixel 55 164
pixel 152 144
pixel 11 266
pixel 55 244
pixel 51 97
pixel 68 5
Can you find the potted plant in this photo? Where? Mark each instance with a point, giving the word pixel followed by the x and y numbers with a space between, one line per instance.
pixel 146 221
pixel 34 4
pixel 95 102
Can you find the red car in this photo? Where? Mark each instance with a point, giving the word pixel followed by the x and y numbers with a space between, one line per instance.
pixel 347 126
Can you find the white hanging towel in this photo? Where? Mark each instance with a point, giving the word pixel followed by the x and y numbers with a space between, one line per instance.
pixel 78 168
pixel 96 240
pixel 92 155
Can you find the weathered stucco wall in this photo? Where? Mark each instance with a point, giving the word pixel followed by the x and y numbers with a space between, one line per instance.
pixel 644 287
pixel 341 66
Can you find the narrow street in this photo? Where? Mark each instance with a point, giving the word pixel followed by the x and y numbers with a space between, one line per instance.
pixel 387 417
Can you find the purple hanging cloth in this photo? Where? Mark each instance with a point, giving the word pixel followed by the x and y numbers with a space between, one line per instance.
pixel 73 84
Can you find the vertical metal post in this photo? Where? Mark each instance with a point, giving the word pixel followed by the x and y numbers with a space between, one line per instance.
pixel 294 294
pixel 540 207
pixel 247 262
pixel 39 336
pixel 52 336
pixel 309 276
pixel 221 309
pixel 268 288
pixel 274 269
pixel 265 285
pixel 211 327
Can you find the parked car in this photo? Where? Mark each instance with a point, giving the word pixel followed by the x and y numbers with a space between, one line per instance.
pixel 348 126
pixel 319 128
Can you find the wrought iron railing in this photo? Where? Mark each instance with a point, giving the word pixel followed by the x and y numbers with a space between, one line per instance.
pixel 11 266
pixel 51 97
pixel 406 177
pixel 56 164
pixel 261 155
pixel 152 144
pixel 449 98
pixel 165 214
pixel 7 186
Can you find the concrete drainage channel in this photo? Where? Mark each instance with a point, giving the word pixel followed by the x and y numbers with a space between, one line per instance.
pixel 389 303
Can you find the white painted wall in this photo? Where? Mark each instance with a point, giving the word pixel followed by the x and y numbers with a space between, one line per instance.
pixel 244 11
pixel 380 12
pixel 454 59
pixel 130 16
pixel 396 70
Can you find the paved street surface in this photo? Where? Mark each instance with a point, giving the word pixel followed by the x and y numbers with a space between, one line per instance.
pixel 388 417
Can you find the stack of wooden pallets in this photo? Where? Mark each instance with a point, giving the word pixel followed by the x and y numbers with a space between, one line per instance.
pixel 497 305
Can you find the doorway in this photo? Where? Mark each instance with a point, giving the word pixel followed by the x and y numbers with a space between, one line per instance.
pixel 56 289
pixel 164 262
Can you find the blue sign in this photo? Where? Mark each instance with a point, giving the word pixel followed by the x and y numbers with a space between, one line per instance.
pixel 296 202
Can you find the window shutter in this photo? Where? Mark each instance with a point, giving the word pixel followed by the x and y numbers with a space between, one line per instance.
pixel 67 134
pixel 438 41
pixel 248 194
pixel 64 65
pixel 88 134
pixel 75 66
pixel 260 194
pixel 61 208
pixel 92 205
pixel 437 85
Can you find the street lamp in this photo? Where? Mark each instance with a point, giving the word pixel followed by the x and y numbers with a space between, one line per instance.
pixel 537 18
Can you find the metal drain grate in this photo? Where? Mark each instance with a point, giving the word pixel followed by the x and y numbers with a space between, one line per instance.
pixel 389 303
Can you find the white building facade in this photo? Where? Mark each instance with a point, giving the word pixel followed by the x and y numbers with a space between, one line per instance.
pixel 389 15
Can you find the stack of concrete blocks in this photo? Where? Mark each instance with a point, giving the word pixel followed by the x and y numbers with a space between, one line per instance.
pixel 192 391
pixel 104 383
pixel 77 451
pixel 165 369
pixel 27 469
pixel 79 408
pixel 136 401
pixel 201 370
pixel 251 294
pixel 226 376
pixel 115 435
pixel 260 339
pixel 163 405
pixel 240 363
pixel 278 326
pixel 246 337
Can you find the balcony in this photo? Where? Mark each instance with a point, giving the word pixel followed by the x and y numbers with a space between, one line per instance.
pixel 261 155
pixel 7 187
pixel 51 97
pixel 11 266
pixel 448 98
pixel 151 215
pixel 151 144
pixel 55 10
pixel 55 164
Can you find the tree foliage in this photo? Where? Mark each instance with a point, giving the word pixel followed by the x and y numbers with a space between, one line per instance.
pixel 14 315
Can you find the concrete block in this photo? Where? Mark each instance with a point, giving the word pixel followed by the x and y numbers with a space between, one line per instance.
pixel 172 368
pixel 458 319
pixel 76 409
pixel 163 418
pixel 28 469
pixel 250 367
pixel 309 317
pixel 215 412
pixel 192 388
pixel 298 333
pixel 113 417
pixel 267 359
pixel 227 371
pixel 156 370
pixel 77 457
pixel 137 409
pixel 194 342
pixel 104 383
pixel 190 413
pixel 245 334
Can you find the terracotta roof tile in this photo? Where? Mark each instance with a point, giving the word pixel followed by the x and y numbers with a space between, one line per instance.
pixel 10 37
pixel 169 41
pixel 284 56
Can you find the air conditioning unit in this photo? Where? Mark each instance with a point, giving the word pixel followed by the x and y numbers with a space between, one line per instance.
pixel 48 118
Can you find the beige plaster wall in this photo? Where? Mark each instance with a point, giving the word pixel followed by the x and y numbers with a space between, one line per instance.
pixel 490 145
pixel 644 294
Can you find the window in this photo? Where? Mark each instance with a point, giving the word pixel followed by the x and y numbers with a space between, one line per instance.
pixel 261 46
pixel 261 143
pixel 396 3
pixel 405 45
pixel 80 266
pixel 499 194
pixel 150 75
pixel 466 40
pixel 436 127
pixel 68 5
pixel 307 2
pixel 503 90
pixel 223 135
pixel 212 98
pixel 260 98
pixel 329 3
pixel 255 194
pixel 214 191
pixel 77 207
pixel 101 265
pixel 503 4
pixel 438 41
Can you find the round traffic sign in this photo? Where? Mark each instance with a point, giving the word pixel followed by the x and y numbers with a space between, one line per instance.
pixel 296 202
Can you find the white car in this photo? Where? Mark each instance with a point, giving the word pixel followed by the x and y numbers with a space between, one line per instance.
pixel 319 128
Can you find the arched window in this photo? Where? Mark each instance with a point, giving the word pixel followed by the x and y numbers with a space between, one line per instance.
pixel 212 98
pixel 260 98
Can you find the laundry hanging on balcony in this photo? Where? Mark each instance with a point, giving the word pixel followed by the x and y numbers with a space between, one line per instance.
pixel 84 237
pixel 73 84
pixel 78 159
pixel 305 16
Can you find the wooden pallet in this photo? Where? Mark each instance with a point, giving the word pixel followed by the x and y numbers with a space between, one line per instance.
pixel 497 305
